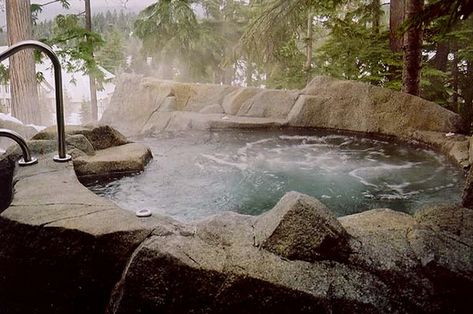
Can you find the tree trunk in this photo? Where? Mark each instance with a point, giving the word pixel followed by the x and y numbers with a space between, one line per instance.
pixel 437 91
pixel 93 88
pixel 309 45
pixel 440 60
pixel 24 92
pixel 467 91
pixel 249 73
pixel 412 58
pixel 376 15
pixel 455 80
pixel 396 17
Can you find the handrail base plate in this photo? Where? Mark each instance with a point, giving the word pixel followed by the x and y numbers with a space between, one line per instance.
pixel 67 158
pixel 23 163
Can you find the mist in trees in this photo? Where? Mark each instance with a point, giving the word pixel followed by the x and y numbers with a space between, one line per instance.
pixel 423 47
pixel 420 47
pixel 110 37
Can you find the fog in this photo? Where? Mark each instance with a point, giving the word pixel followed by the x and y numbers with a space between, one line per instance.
pixel 77 6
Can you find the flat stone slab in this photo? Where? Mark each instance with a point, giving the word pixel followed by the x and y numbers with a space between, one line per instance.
pixel 237 122
pixel 119 160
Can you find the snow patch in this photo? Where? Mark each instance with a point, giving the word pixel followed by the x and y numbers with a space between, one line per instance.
pixel 8 117
pixel 38 128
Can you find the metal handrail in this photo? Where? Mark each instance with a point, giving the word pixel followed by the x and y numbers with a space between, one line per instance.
pixel 61 136
pixel 27 159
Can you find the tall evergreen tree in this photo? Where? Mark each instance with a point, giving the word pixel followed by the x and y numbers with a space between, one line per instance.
pixel 167 29
pixel 25 101
pixel 92 82
pixel 412 57
pixel 396 18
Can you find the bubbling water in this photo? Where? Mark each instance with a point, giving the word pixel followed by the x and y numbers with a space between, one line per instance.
pixel 200 174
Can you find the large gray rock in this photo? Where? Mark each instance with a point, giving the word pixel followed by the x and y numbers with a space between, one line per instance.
pixel 455 146
pixel 80 142
pixel 99 136
pixel 156 96
pixel 64 247
pixel 274 104
pixel 134 91
pixel 216 266
pixel 300 227
pixel 114 161
pixel 443 244
pixel 205 95
pixel 428 258
pixel 443 241
pixel 452 219
pixel 467 196
pixel 378 240
pixel 7 167
pixel 355 106
pixel 227 229
pixel 216 108
pixel 216 269
pixel 234 100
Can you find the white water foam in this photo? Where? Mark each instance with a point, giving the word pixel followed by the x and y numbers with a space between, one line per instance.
pixel 248 172
pixel 374 171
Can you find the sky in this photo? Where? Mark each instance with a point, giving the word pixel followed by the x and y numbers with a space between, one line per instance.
pixel 96 5
pixel 50 11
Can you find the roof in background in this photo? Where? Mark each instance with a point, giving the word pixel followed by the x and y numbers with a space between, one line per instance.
pixel 75 85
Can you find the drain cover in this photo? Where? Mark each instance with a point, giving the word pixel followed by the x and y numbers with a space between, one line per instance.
pixel 143 213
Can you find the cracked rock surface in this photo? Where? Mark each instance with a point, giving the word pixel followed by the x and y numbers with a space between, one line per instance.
pixel 66 250
pixel 217 266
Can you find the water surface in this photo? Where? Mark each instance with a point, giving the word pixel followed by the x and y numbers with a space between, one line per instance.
pixel 194 175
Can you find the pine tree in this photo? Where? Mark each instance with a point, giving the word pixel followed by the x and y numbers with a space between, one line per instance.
pixel 412 50
pixel 25 101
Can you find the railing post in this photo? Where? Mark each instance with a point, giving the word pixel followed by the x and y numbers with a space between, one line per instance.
pixel 27 159
pixel 61 134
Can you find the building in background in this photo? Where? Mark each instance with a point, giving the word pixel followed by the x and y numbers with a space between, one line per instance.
pixel 76 94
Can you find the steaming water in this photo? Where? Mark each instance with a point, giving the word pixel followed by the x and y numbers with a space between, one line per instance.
pixel 196 175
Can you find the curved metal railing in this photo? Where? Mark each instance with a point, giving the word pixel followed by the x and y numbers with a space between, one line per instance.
pixel 61 137
pixel 27 159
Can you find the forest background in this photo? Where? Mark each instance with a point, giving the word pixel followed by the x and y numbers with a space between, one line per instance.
pixel 424 48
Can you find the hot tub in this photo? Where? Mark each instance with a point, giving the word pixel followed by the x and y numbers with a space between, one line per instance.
pixel 198 174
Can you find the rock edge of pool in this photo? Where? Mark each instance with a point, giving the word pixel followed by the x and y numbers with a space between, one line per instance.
pixel 66 250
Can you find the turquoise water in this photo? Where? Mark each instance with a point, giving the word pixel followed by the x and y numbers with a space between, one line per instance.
pixel 195 175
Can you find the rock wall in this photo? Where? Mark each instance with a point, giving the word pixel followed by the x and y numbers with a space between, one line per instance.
pixel 145 106
pixel 356 106
pixel 66 250
pixel 142 105
pixel 73 252
pixel 391 263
